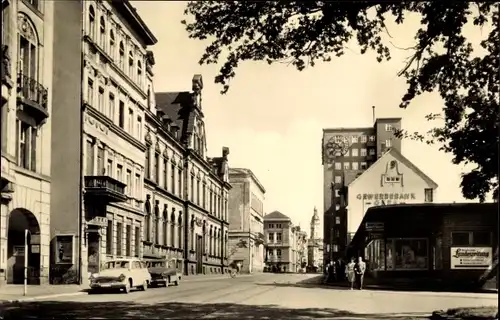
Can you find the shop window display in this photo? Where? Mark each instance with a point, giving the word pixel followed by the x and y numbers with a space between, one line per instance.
pixel 375 255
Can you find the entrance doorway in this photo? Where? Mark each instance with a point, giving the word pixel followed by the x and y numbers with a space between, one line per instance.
pixel 199 254
pixel 19 221
pixel 94 241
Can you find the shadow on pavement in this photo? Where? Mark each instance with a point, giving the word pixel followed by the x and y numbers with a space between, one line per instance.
pixel 173 310
pixel 317 282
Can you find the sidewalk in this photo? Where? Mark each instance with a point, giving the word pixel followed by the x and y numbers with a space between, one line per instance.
pixel 14 292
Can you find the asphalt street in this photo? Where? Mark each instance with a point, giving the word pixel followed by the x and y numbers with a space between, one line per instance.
pixel 267 296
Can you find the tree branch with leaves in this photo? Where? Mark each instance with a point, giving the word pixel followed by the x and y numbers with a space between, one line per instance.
pixel 302 33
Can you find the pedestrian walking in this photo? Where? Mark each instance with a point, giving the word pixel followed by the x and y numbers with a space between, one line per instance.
pixel 349 271
pixel 360 269
pixel 340 267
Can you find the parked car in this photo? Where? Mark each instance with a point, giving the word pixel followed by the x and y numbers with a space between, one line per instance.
pixel 163 272
pixel 121 274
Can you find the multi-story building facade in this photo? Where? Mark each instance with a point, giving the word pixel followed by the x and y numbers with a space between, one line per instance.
pixel 279 233
pixel 348 155
pixel 246 220
pixel 27 59
pixel 186 192
pixel 107 220
pixel 314 244
pixel 299 249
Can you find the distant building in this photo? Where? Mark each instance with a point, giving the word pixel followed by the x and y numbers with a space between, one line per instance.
pixel 299 249
pixel 246 220
pixel 314 244
pixel 279 233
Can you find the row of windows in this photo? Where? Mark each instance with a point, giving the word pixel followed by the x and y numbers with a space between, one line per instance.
pixel 272 238
pixel 165 232
pixel 274 252
pixel 350 166
pixel 471 238
pixel 98 162
pixel 274 225
pixel 117 244
pixel 355 139
pixel 105 102
pixel 127 62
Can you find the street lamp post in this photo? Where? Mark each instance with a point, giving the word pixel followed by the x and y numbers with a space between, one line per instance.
pixel 26 233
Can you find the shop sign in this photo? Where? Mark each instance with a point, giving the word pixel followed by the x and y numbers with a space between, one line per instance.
pixel 386 196
pixel 471 257
pixel 35 248
pixel 99 221
pixel 375 236
pixel 374 226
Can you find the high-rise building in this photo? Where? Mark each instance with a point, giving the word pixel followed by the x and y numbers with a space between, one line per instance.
pixel 26 122
pixel 246 220
pixel 364 167
pixel 346 154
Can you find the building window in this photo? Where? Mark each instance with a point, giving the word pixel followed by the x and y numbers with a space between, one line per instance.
pixel 388 127
pixel 89 158
pixel 137 241
pixel 335 248
pixel 26 146
pixel 139 128
pixel 337 194
pixel 128 181
pixel 372 138
pixel 354 139
pixel 388 143
pixel 355 152
pixel 198 191
pixel 172 178
pixel 119 238
pixel 179 181
pixel 278 236
pixel 460 239
pixel 100 161
pixel 172 231
pixel 128 239
pixel 109 238
pixel 337 233
pixel 112 44
pixel 109 168
pixel 102 35
pixel 347 166
pixel 119 172
pixel 165 173
pixel 481 239
pixel 355 166
pixel 337 206
pixel 371 151
pixel 270 236
pixel 338 166
pixel 139 73
pixel 363 139
pixel 149 98
pixel 180 234
pixel 204 195
pixel 122 56
pixel 147 164
pixel 130 121
pixel 121 115
pixel 363 152
pixel 111 107
pixel 338 179
pixel 271 226
pixel 92 22
pixel 278 253
pixel 100 102
pixel 429 196
pixel 156 168
pixel 364 166
pixel 191 193
pixel 90 92
pixel 131 72
pixel 137 185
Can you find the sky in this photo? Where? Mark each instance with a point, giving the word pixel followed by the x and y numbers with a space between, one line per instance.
pixel 272 117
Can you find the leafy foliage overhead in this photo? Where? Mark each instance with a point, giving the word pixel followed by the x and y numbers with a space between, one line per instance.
pixel 303 32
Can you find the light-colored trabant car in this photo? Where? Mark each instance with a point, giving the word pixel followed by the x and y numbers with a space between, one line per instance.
pixel 121 274
pixel 163 272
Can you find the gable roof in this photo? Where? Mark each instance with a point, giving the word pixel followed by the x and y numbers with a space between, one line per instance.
pixel 276 215
pixel 396 154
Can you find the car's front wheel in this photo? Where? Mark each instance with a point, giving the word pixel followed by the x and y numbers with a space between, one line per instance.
pixel 144 286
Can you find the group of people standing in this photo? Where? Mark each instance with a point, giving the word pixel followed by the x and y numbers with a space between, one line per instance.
pixel 353 271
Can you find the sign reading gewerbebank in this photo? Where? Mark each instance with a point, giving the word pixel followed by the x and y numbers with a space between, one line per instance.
pixel 471 257
pixel 386 196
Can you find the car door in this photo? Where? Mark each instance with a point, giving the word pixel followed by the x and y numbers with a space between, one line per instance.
pixel 136 272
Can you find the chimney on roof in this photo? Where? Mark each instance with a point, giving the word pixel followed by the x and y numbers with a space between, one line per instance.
pixel 373 113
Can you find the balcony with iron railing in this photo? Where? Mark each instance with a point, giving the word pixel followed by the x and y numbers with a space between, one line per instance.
pixel 105 188
pixel 32 97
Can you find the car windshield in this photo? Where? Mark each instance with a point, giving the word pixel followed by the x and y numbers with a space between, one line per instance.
pixel 156 264
pixel 117 265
